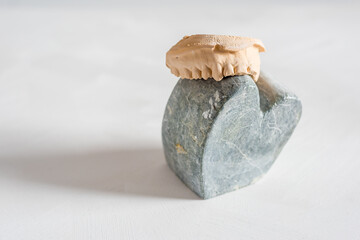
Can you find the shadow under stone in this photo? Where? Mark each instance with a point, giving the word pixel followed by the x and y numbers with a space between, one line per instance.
pixel 140 172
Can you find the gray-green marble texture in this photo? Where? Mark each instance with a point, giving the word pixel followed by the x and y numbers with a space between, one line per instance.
pixel 222 136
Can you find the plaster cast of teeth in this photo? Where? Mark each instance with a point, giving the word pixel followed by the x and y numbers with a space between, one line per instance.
pixel 215 56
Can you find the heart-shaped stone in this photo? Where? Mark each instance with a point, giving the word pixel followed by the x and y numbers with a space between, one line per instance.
pixel 221 136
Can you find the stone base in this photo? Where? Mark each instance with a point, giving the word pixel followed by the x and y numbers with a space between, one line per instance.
pixel 222 136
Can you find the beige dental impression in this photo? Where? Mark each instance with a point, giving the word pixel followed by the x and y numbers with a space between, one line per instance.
pixel 215 56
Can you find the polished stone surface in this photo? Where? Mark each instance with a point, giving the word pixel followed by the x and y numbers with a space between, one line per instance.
pixel 221 136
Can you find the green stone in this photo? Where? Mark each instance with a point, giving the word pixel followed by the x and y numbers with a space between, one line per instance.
pixel 222 136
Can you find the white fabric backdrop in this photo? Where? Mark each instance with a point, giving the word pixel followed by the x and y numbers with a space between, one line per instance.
pixel 82 93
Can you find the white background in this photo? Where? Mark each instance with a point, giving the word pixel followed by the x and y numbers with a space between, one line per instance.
pixel 82 91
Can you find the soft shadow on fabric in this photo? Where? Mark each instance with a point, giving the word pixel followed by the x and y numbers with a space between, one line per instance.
pixel 140 172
